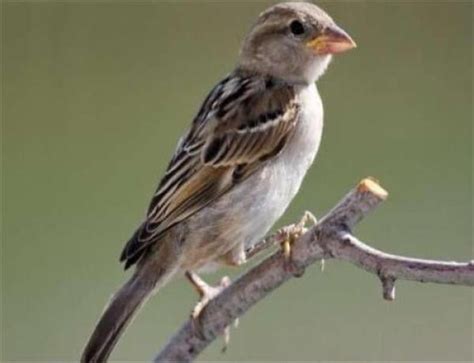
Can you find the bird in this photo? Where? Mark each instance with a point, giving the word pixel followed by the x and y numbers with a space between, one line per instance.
pixel 238 166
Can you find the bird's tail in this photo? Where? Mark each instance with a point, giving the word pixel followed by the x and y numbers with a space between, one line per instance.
pixel 120 311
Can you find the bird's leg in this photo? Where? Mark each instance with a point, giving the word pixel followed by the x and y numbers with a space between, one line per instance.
pixel 206 293
pixel 289 235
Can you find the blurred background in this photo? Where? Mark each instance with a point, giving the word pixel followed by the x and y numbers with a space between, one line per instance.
pixel 95 96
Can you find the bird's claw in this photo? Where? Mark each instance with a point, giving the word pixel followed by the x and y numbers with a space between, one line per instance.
pixel 207 293
pixel 308 218
pixel 289 235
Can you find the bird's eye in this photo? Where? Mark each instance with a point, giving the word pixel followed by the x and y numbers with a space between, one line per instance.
pixel 297 28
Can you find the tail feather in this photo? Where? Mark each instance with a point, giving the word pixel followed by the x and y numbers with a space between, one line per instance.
pixel 119 313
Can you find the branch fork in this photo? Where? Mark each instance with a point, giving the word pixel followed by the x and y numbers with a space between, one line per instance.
pixel 330 238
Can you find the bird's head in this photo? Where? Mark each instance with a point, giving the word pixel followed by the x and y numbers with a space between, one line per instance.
pixel 293 41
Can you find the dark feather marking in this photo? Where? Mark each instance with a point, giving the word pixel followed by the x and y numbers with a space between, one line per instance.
pixel 184 171
pixel 250 146
pixel 269 83
pixel 223 152
pixel 275 151
pixel 170 174
pixel 238 172
pixel 213 95
pixel 212 149
pixel 237 145
pixel 239 92
pixel 262 119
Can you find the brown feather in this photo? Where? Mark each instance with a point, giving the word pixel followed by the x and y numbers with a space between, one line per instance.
pixel 244 122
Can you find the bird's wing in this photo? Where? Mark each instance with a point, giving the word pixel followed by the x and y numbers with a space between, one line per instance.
pixel 243 122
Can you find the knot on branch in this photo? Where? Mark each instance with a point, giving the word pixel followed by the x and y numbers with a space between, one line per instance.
pixel 388 287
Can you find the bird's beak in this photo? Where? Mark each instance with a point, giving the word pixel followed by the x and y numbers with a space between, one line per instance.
pixel 333 40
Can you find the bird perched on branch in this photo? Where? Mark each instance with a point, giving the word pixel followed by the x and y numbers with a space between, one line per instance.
pixel 237 168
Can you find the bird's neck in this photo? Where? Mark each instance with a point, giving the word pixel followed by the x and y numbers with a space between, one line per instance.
pixel 276 79
pixel 303 76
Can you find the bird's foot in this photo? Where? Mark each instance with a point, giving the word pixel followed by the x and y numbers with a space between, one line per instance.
pixel 207 293
pixel 289 235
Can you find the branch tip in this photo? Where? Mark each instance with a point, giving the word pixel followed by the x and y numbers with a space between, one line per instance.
pixel 371 185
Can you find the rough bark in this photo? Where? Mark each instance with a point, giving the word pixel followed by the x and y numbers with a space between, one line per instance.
pixel 330 238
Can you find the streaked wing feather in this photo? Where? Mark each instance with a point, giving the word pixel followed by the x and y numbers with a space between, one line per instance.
pixel 242 123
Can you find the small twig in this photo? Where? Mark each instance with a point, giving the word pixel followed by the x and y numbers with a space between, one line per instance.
pixel 392 267
pixel 330 238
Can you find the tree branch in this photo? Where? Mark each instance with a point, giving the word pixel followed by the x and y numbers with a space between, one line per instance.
pixel 330 238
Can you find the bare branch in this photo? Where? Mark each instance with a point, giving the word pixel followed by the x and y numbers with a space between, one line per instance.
pixel 392 267
pixel 330 238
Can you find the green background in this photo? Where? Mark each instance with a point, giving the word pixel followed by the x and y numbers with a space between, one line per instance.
pixel 95 96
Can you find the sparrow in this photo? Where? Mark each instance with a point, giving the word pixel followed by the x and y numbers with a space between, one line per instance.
pixel 238 166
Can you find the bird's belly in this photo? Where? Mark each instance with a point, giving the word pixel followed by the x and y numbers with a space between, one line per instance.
pixel 243 216
pixel 246 213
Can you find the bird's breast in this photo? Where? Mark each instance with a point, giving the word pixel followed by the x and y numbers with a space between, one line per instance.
pixel 304 144
pixel 265 196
